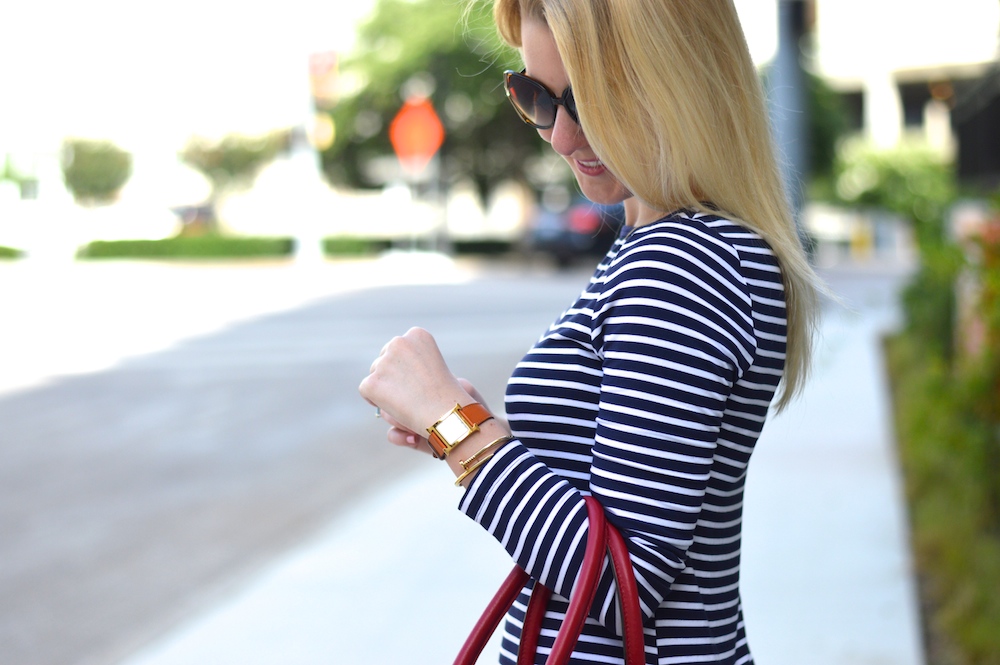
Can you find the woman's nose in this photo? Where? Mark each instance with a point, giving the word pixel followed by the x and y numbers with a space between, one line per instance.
pixel 565 135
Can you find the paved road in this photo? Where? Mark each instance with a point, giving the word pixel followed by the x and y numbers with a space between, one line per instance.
pixel 133 495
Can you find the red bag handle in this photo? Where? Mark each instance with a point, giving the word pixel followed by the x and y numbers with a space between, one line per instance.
pixel 601 537
pixel 494 613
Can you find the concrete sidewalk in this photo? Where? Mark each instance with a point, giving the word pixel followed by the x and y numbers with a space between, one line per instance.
pixel 827 572
pixel 827 578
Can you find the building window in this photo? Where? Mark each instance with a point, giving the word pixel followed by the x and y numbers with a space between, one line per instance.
pixel 914 97
pixel 853 104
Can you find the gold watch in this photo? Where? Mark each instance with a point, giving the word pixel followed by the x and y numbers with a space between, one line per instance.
pixel 455 427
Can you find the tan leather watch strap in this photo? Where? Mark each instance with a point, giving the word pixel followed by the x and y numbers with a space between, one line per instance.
pixel 469 418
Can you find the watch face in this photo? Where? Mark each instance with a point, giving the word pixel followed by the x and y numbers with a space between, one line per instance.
pixel 452 429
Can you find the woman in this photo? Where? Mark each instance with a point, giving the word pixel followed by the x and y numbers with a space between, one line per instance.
pixel 651 391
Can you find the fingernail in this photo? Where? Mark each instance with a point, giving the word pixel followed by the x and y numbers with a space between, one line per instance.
pixel 412 440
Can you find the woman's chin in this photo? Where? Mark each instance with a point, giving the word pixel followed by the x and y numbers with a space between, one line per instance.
pixel 598 184
pixel 603 193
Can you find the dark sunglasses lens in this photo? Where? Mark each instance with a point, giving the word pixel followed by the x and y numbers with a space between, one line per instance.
pixel 570 104
pixel 532 100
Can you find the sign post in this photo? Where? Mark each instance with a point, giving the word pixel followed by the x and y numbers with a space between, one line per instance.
pixel 416 134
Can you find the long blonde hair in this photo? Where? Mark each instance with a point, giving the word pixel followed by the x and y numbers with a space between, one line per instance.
pixel 678 74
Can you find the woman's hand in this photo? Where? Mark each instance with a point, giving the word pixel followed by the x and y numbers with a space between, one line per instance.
pixel 400 436
pixel 412 385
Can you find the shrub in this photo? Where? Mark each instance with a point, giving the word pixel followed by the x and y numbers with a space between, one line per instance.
pixel 202 247
pixel 911 181
pixel 982 370
pixel 343 246
pixel 946 407
pixel 481 247
pixel 94 171
pixel 946 402
pixel 234 158
pixel 214 246
pixel 956 547
pixel 930 303
pixel 230 162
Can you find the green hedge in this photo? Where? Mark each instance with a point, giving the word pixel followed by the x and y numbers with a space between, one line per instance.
pixel 955 542
pixel 946 418
pixel 203 247
pixel 481 247
pixel 354 246
pixel 946 402
pixel 9 252
pixel 222 247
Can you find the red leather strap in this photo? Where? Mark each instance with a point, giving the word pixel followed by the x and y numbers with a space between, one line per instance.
pixel 585 587
pixel 491 617
pixel 601 538
pixel 532 626
pixel 635 642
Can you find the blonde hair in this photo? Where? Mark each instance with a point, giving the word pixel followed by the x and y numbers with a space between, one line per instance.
pixel 678 74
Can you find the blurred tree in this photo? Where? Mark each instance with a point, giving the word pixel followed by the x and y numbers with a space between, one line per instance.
pixel 232 161
pixel 911 180
pixel 8 172
pixel 94 171
pixel 919 185
pixel 430 47
pixel 827 125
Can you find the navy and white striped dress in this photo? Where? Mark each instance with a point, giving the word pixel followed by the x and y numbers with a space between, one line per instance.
pixel 649 393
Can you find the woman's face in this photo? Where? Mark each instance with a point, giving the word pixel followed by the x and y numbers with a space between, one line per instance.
pixel 542 63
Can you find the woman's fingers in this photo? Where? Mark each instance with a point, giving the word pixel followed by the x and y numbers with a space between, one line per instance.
pixel 387 417
pixel 407 439
pixel 401 436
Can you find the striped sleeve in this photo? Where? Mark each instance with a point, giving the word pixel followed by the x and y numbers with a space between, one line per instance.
pixel 672 328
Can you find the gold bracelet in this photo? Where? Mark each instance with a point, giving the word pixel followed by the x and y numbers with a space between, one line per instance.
pixel 471 470
pixel 502 440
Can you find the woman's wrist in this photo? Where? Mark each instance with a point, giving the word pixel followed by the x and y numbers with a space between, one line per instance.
pixel 477 449
pixel 436 406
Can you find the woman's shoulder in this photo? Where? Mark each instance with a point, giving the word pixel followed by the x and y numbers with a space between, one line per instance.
pixel 712 231
pixel 699 236
pixel 708 252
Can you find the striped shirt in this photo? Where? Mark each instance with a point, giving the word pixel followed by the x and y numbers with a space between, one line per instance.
pixel 649 393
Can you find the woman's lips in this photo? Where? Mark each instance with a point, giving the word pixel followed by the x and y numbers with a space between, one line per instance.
pixel 591 167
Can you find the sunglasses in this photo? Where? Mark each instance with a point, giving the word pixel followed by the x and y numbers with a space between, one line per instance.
pixel 534 102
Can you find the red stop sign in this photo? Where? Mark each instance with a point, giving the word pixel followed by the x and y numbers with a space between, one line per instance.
pixel 416 134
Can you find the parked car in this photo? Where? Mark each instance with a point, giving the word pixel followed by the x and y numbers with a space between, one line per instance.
pixel 585 229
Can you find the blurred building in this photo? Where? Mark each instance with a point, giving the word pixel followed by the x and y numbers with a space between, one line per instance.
pixel 923 73
pixel 902 66
pixel 976 118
